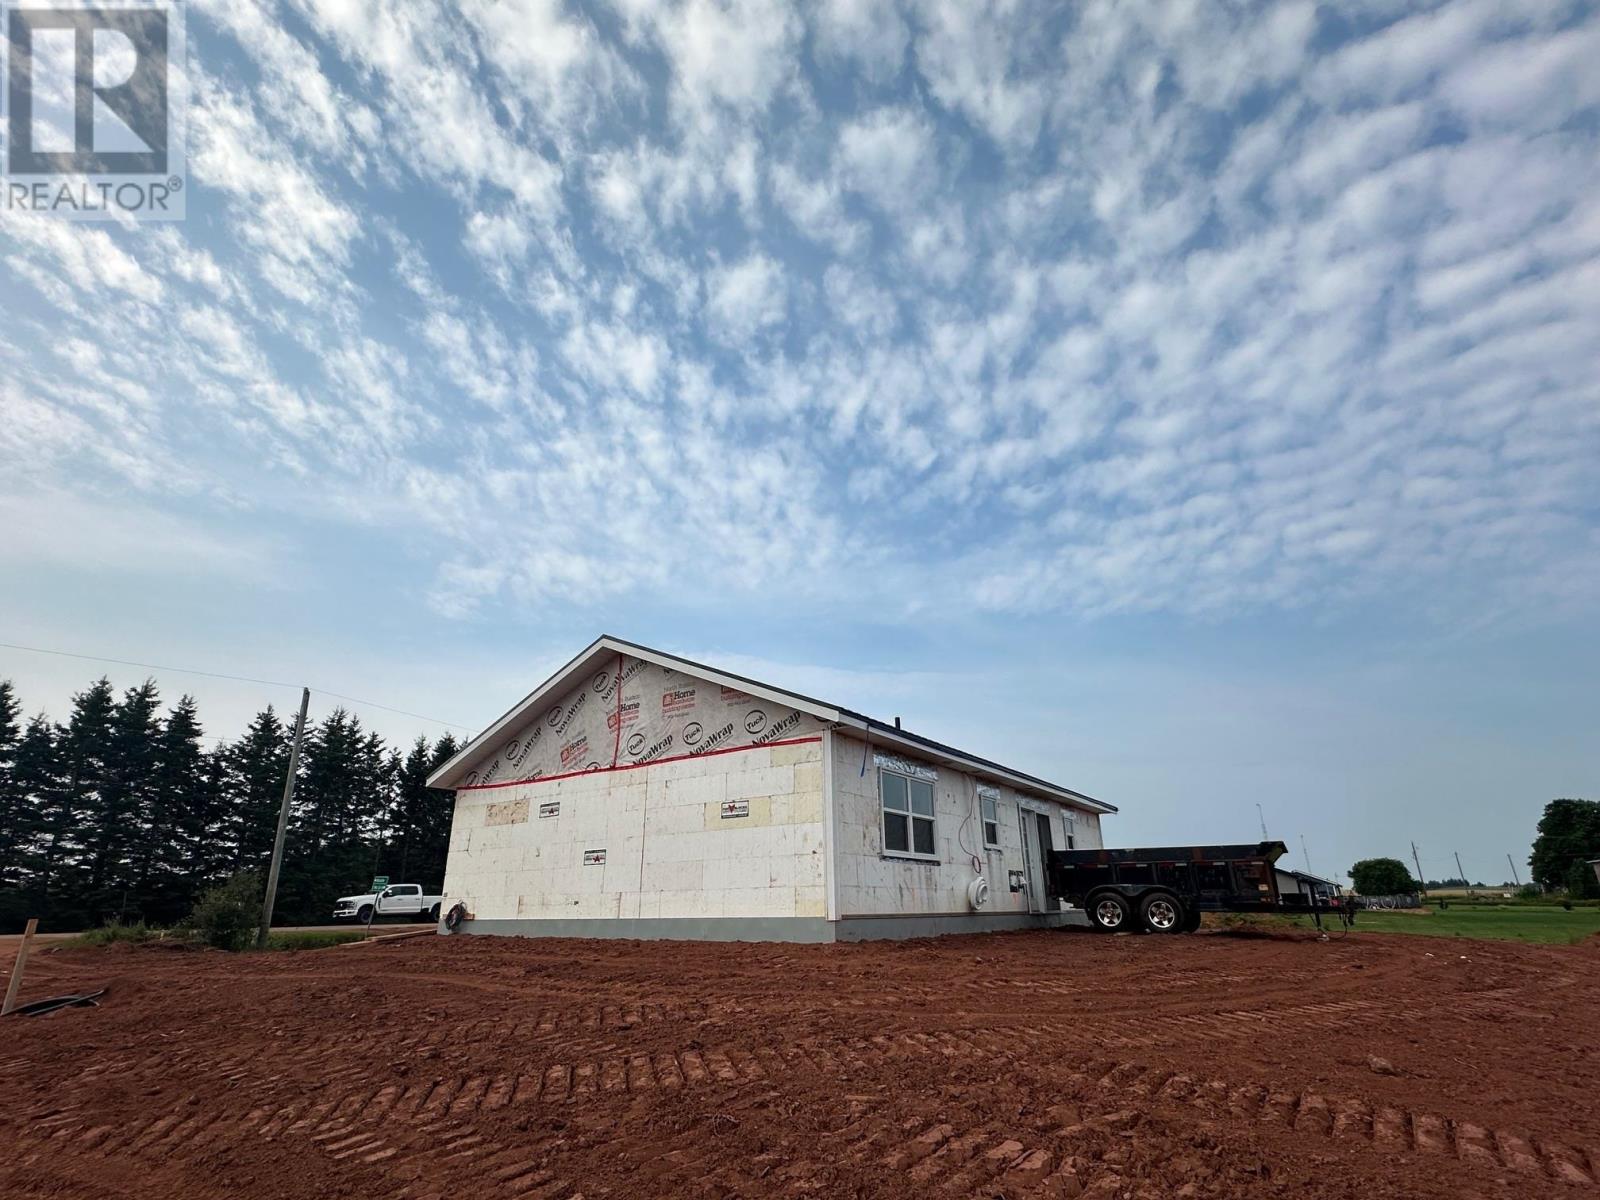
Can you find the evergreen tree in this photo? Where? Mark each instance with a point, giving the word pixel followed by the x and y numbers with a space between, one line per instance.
pixel 253 773
pixel 78 839
pixel 182 824
pixel 411 799
pixel 116 822
pixel 121 813
pixel 12 813
pixel 433 821
pixel 217 852
pixel 338 802
pixel 36 773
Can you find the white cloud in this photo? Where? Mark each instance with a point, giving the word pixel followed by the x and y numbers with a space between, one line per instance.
pixel 970 53
pixel 1100 309
pixel 870 34
pixel 746 297
pixel 733 54
pixel 889 156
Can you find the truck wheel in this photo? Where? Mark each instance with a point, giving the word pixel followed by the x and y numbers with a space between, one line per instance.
pixel 1162 913
pixel 433 914
pixel 1110 912
pixel 365 914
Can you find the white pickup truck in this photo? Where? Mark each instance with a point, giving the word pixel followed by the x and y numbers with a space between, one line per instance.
pixel 398 899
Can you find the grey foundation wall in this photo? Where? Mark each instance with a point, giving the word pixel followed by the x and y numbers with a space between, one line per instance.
pixel 865 929
pixel 772 929
pixel 680 929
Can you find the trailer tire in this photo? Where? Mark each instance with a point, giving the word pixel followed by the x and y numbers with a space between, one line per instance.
pixel 1191 920
pixel 1110 912
pixel 1161 912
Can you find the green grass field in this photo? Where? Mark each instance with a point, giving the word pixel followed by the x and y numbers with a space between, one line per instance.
pixel 312 939
pixel 282 939
pixel 1523 923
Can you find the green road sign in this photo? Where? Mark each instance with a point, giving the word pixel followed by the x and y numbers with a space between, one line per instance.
pixel 379 882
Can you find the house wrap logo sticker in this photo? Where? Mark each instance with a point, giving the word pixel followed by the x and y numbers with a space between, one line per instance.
pixel 95 100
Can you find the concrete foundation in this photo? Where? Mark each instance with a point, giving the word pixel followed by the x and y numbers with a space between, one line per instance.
pixel 773 929
pixel 917 925
pixel 682 929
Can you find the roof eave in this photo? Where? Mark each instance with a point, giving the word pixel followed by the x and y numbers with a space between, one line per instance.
pixel 882 734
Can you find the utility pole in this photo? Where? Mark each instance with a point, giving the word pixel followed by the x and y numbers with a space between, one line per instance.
pixel 1513 867
pixel 283 821
pixel 1421 880
pixel 1263 817
pixel 1460 874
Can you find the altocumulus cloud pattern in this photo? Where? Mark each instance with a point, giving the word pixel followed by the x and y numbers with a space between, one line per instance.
pixel 1027 307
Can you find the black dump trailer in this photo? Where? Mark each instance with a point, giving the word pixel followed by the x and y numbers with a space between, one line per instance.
pixel 1164 889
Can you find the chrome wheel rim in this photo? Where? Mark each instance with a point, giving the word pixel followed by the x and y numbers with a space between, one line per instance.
pixel 1162 914
pixel 1108 913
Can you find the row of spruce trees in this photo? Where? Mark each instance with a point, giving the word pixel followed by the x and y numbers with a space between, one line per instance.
pixel 123 813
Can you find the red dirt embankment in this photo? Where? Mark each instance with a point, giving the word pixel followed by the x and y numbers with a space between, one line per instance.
pixel 1037 1064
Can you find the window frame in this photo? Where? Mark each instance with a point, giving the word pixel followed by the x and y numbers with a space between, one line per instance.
pixel 911 817
pixel 989 814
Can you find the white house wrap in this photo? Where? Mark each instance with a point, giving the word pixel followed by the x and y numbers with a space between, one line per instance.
pixel 637 794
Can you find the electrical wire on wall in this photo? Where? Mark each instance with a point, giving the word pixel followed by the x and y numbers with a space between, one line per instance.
pixel 961 830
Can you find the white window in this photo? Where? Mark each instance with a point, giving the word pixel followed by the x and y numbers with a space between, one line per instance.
pixel 989 806
pixel 907 815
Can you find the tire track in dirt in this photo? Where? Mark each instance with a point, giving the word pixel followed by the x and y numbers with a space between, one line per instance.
pixel 593 1028
pixel 1342 1118
pixel 755 1087
pixel 371 1117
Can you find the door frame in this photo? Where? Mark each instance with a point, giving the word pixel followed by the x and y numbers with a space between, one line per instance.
pixel 1033 865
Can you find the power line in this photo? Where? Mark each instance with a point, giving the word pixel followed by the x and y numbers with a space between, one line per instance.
pixel 123 662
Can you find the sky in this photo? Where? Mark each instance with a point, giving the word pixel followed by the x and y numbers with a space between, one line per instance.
pixel 1194 404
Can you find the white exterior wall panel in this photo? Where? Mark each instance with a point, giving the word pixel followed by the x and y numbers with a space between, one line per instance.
pixel 669 850
pixel 872 883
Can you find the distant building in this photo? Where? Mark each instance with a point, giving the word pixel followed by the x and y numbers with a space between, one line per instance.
pixel 638 794
pixel 1303 883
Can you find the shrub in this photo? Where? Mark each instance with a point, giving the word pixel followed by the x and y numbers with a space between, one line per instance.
pixel 1529 891
pixel 116 931
pixel 228 915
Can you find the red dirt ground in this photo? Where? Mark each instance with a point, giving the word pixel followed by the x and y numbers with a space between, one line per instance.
pixel 1020 1065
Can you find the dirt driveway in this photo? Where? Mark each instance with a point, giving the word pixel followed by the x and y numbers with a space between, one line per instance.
pixel 1035 1064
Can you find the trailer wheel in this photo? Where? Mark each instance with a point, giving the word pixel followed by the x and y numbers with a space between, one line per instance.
pixel 1162 913
pixel 1110 912
pixel 1191 920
